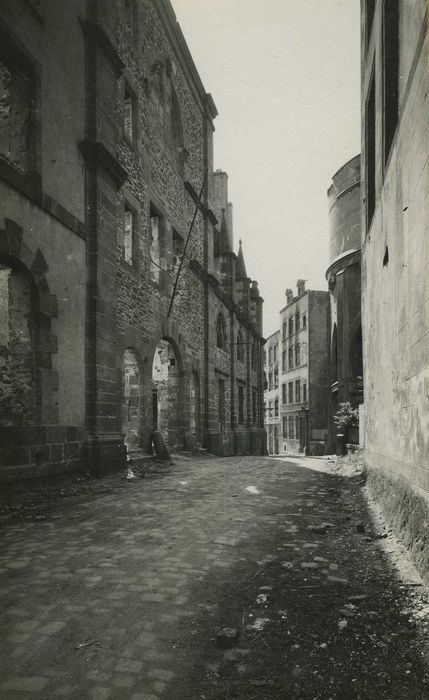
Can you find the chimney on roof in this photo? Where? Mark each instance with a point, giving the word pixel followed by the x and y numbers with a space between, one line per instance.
pixel 300 285
pixel 289 295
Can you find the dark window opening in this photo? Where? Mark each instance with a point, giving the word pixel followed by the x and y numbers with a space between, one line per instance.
pixel 390 73
pixel 240 346
pixel 178 248
pixel 370 154
pixel 157 255
pixel 129 113
pixel 220 332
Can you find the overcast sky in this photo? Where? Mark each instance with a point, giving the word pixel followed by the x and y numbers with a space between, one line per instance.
pixel 284 75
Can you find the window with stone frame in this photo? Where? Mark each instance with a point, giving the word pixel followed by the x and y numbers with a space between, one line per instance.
pixel 291 428
pixel 297 320
pixel 276 378
pixel 284 330
pixel 175 131
pixel 284 426
pixel 304 320
pixel 297 355
pixel 304 391
pixel 221 337
pixel 290 325
pixel 276 407
pixel 290 392
pixel 128 235
pixel 284 393
pixel 270 381
pixel 157 246
pixel 178 248
pixel 297 391
pixel 284 361
pixel 290 357
pixel 130 113
pixel 15 101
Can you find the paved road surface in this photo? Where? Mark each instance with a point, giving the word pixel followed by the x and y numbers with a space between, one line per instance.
pixel 123 595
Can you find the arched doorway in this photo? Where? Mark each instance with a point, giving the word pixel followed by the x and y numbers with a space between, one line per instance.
pixel 19 386
pixel 166 394
pixel 130 398
pixel 194 406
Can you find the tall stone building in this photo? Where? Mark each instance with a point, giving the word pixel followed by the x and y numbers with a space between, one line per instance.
pixel 343 275
pixel 272 400
pixel 124 306
pixel 395 241
pixel 303 372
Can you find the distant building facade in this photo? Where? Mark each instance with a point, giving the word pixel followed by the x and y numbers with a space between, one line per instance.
pixel 343 276
pixel 272 398
pixel 106 158
pixel 395 239
pixel 303 371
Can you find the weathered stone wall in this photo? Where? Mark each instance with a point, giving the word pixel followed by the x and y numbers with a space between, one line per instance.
pixel 318 368
pixel 395 260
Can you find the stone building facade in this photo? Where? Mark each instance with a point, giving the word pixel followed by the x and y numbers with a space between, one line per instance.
pixel 395 241
pixel 343 276
pixel 110 246
pixel 303 372
pixel 272 399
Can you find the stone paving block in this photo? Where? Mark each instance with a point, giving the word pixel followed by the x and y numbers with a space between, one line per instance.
pixel 161 674
pixel 52 627
pixel 124 681
pixel 128 666
pixel 100 693
pixel 31 684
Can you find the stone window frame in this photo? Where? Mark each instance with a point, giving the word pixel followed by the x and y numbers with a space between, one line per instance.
pixel 132 34
pixel 155 210
pixel 15 56
pixel 221 333
pixel 131 203
pixel 241 403
pixel 130 87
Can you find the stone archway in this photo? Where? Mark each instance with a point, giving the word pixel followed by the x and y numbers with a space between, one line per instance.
pixel 167 402
pixel 131 399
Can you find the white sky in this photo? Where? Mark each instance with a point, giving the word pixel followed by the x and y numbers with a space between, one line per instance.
pixel 284 75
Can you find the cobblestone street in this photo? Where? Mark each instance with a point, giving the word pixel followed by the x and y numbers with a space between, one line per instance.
pixel 123 596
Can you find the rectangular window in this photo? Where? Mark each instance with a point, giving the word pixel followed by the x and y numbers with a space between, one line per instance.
pixel 284 426
pixel 297 427
pixel 304 391
pixel 284 393
pixel 304 321
pixel 297 355
pixel 284 330
pixel 290 357
pixel 297 391
pixel 275 353
pixel 370 154
pixel 129 113
pixel 221 403
pixel 270 381
pixel 284 361
pixel 290 325
pixel 178 247
pixel 297 321
pixel 276 407
pixel 127 247
pixel 390 73
pixel 270 404
pixel 270 356
pixel 291 428
pixel 157 262
pixel 14 117
pixel 240 404
pixel 130 21
pixel 276 379
pixel 290 392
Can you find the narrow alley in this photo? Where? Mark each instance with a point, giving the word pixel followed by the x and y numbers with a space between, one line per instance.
pixel 211 578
